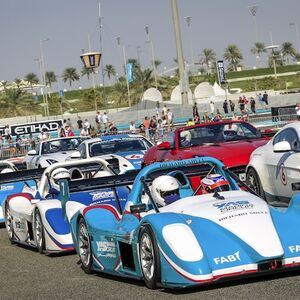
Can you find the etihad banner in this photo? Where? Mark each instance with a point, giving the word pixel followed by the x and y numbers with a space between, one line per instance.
pixel 221 71
pixel 35 127
pixel 129 67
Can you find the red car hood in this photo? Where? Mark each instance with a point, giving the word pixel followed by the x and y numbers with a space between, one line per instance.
pixel 232 154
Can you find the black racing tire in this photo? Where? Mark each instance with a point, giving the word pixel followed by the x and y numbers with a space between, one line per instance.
pixel 84 247
pixel 9 224
pixel 149 257
pixel 39 232
pixel 253 181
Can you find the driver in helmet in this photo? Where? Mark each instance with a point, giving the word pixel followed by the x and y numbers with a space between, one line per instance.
pixel 165 190
pixel 57 174
pixel 214 183
pixel 185 138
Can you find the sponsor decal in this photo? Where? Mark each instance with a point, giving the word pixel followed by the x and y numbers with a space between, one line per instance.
pixel 35 127
pixel 225 207
pixel 294 248
pixel 6 187
pixel 236 215
pixel 283 175
pixel 227 259
pixel 106 248
pixel 102 195
pixel 134 156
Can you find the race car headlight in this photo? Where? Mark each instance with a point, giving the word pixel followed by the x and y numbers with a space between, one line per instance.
pixel 181 239
pixel 51 161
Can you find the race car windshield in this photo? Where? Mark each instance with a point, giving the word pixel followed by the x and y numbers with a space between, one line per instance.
pixel 61 145
pixel 116 146
pixel 217 133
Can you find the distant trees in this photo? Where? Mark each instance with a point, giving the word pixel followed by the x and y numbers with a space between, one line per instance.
pixel 70 75
pixel 109 70
pixel 50 78
pixel 257 50
pixel 32 79
pixel 288 51
pixel 208 56
pixel 234 56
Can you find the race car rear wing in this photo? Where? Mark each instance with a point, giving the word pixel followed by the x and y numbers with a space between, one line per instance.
pixel 23 175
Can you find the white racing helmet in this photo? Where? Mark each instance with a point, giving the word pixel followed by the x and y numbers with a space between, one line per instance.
pixel 165 190
pixel 185 137
pixel 6 170
pixel 230 130
pixel 57 174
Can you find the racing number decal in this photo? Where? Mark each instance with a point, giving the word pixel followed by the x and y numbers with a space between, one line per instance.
pixel 283 175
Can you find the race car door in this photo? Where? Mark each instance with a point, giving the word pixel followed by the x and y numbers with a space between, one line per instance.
pixel 283 167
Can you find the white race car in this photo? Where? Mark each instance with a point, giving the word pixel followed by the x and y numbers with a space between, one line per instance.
pixel 34 217
pixel 274 169
pixel 128 149
pixel 52 151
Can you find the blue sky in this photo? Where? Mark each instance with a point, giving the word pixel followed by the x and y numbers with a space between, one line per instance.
pixel 67 23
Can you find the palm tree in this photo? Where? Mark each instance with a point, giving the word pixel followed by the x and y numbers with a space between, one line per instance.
pixel 32 79
pixel 257 50
pixel 157 63
pixel 50 78
pixel 70 74
pixel 276 56
pixel 287 50
pixel 87 72
pixel 109 70
pixel 234 56
pixel 297 57
pixel 207 57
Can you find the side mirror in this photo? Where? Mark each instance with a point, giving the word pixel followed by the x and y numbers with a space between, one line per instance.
pixel 138 208
pixel 75 155
pixel 164 146
pixel 283 146
pixel 31 152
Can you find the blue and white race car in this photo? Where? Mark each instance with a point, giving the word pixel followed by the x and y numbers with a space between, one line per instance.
pixel 172 235
pixel 34 217
pixel 129 149
pixel 12 187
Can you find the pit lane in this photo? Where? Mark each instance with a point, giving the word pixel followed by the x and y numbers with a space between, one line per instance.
pixel 25 274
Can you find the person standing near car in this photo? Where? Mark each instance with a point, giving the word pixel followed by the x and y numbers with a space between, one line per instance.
pixel 232 105
pixel 265 98
pixel 225 107
pixel 297 108
pixel 252 105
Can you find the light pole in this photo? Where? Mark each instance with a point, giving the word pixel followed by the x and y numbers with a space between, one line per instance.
pixel 253 10
pixel 45 93
pixel 184 85
pixel 272 47
pixel 189 24
pixel 125 68
pixel 297 35
pixel 101 51
pixel 149 40
pixel 42 82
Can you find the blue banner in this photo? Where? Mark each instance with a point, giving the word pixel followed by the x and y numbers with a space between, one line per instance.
pixel 129 68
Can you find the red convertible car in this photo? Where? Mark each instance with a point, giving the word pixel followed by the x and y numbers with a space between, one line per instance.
pixel 232 142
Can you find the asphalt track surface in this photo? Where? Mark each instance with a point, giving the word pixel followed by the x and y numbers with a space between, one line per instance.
pixel 25 274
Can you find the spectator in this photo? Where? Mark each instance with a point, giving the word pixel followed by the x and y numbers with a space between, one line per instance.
pixel 61 132
pixel 6 132
pixel 265 98
pixel 132 127
pixel 112 128
pixel 87 126
pixel 190 122
pixel 164 111
pixel 98 120
pixel 146 125
pixel 197 120
pixel 212 107
pixel 105 120
pixel 241 104
pixel 84 131
pixel 70 132
pixel 252 105
pixel 245 100
pixel 79 123
pixel 170 117
pixel 18 143
pixel 260 100
pixel 217 117
pixel 153 128
pixel 297 108
pixel 225 107
pixel 157 109
pixel 205 117
pixel 42 135
pixel 234 117
pixel 195 110
pixel 245 116
pixel 69 123
pixel 232 105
